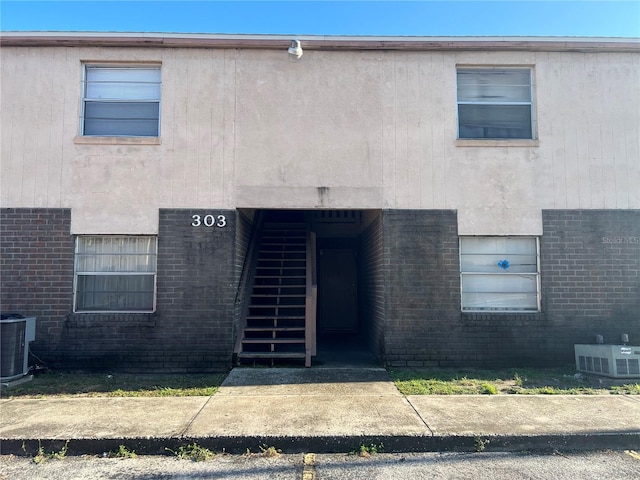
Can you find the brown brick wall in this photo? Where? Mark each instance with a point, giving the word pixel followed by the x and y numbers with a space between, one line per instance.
pixel 422 282
pixel 590 285
pixel 591 275
pixel 371 286
pixel 36 270
pixel 191 329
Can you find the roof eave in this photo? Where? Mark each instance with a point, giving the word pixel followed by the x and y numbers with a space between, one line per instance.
pixel 310 42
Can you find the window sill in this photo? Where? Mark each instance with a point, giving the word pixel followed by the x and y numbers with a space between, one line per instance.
pixel 80 140
pixel 497 143
pixel 113 312
pixel 500 312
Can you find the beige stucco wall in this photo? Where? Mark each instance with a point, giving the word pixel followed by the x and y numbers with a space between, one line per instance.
pixel 335 129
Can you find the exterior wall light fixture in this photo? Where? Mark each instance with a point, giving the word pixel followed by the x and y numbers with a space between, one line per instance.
pixel 295 50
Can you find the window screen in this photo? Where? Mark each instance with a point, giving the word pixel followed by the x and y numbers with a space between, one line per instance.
pixel 115 274
pixel 495 103
pixel 499 273
pixel 121 101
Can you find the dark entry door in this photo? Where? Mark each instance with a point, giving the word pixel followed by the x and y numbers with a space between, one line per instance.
pixel 337 291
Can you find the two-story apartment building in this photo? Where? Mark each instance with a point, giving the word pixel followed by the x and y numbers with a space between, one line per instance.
pixel 175 202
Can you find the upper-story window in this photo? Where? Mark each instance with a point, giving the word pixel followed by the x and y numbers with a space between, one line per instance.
pixel 121 101
pixel 495 103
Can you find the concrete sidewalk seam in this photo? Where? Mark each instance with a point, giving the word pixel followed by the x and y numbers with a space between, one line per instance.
pixel 182 433
pixel 420 416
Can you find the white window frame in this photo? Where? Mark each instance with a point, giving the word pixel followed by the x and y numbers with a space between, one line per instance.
pixel 113 271
pixel 502 272
pixel 531 102
pixel 86 98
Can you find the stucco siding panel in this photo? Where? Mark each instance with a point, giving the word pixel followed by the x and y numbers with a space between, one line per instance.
pixel 27 111
pixel 586 125
pixel 192 130
pixel 305 123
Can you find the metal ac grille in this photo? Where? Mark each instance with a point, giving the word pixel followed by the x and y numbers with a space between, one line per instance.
pixel 594 364
pixel 627 366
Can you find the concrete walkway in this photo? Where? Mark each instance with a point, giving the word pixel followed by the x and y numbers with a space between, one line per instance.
pixel 321 410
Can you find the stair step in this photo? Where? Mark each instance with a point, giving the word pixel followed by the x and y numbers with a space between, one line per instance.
pixel 272 232
pixel 276 295
pixel 300 246
pixel 282 267
pixel 261 292
pixel 271 310
pixel 274 329
pixel 274 273
pixel 283 232
pixel 271 355
pixel 298 261
pixel 264 306
pixel 273 340
pixel 282 240
pixel 278 286
pixel 286 269
pixel 284 260
pixel 281 276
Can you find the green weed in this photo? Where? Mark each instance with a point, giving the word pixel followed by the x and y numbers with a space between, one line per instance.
pixel 193 452
pixel 269 452
pixel 42 456
pixel 123 452
pixel 519 381
pixel 369 450
pixel 480 444
pixel 489 389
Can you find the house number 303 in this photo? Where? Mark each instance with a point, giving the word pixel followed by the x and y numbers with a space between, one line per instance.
pixel 209 221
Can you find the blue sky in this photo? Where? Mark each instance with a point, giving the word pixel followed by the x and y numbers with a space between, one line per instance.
pixel 609 18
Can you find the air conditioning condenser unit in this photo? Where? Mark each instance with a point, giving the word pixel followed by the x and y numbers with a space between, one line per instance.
pixel 615 361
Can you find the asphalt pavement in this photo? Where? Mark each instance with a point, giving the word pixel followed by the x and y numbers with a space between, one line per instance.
pixel 320 410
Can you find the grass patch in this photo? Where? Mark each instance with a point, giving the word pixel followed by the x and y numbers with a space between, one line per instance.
pixel 627 389
pixel 557 381
pixel 62 384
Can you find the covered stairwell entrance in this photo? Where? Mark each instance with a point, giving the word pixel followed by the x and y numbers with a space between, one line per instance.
pixel 307 290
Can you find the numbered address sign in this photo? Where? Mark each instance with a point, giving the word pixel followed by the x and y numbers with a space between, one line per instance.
pixel 219 221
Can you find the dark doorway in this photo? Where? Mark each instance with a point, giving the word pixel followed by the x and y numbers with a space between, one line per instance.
pixel 337 291
pixel 342 332
pixel 346 267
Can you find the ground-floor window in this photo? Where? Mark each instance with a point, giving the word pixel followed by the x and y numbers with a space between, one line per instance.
pixel 115 273
pixel 500 273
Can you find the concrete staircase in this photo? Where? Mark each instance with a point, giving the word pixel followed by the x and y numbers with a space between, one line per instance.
pixel 275 325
